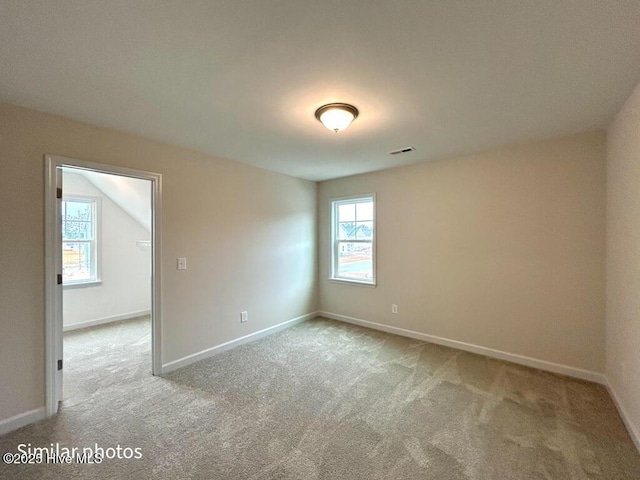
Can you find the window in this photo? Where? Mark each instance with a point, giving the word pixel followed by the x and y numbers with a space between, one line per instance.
pixel 353 239
pixel 79 240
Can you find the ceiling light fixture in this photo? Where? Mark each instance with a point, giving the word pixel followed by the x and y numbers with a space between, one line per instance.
pixel 336 116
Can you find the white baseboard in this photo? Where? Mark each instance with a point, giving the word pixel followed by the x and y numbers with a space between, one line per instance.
pixel 634 433
pixel 209 352
pixel 468 347
pixel 100 321
pixel 13 423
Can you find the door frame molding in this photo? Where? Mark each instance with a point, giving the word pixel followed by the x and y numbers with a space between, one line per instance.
pixel 53 261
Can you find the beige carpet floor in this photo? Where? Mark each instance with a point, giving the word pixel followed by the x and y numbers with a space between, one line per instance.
pixel 325 400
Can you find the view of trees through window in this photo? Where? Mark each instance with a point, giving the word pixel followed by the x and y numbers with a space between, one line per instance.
pixel 353 240
pixel 78 241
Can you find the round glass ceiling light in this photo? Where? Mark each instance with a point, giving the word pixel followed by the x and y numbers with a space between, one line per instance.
pixel 337 116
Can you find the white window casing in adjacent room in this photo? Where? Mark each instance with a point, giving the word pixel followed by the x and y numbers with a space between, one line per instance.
pixel 80 240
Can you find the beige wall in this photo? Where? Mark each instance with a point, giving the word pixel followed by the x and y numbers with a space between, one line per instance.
pixel 504 250
pixel 249 236
pixel 623 258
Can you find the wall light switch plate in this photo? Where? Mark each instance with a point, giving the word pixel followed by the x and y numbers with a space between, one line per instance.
pixel 244 316
pixel 182 263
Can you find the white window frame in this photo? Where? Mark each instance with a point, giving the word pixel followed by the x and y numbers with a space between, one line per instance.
pixel 335 241
pixel 96 244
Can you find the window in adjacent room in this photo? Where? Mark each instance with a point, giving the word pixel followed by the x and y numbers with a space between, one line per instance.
pixel 79 240
pixel 353 239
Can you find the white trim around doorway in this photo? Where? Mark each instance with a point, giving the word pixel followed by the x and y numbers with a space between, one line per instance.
pixel 53 255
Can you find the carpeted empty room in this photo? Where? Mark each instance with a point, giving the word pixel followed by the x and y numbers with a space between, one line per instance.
pixel 320 240
pixel 327 400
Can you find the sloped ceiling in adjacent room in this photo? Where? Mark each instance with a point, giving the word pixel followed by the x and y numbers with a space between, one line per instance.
pixel 131 194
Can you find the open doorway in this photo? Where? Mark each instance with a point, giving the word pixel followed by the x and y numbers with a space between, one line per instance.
pixel 106 281
pixel 102 276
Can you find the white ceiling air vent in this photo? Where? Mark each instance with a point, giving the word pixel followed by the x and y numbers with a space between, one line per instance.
pixel 402 150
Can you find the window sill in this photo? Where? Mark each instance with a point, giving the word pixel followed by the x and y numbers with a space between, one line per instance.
pixel 92 283
pixel 352 282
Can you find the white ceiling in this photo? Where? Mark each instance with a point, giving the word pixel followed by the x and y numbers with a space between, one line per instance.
pixel 242 79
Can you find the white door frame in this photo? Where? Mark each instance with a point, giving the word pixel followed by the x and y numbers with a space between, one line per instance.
pixel 53 267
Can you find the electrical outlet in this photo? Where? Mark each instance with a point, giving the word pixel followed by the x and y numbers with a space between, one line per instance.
pixel 182 263
pixel 394 308
pixel 244 316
